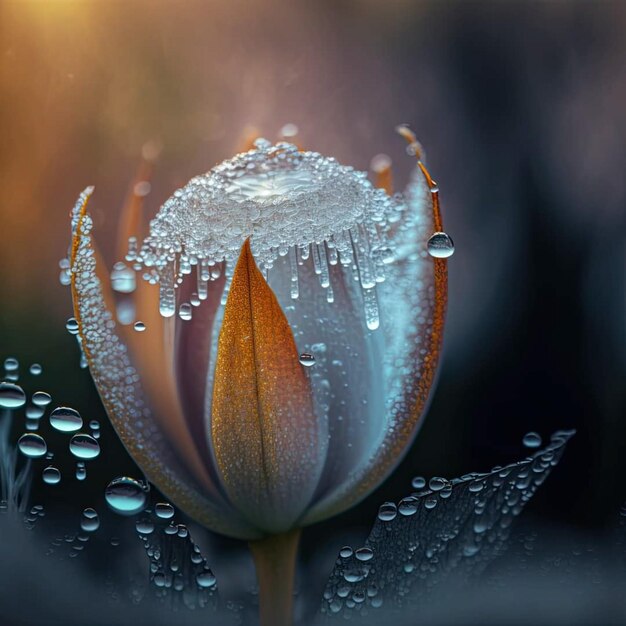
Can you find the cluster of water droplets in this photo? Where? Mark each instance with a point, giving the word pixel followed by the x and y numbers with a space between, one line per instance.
pixel 443 526
pixel 300 205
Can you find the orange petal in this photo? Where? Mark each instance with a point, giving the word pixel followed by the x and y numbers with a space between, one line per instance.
pixel 139 423
pixel 265 433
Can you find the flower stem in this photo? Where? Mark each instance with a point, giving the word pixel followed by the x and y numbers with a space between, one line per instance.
pixel 275 562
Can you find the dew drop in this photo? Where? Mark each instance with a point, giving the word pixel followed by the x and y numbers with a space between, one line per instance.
pixel 346 552
pixel 41 398
pixel 51 475
pixel 206 579
pixel 387 512
pixel 289 130
pixel 184 311
pixel 126 496
pixel 532 440
pixel 307 359
pixel 32 445
pixel 123 278
pixel 139 327
pixel 144 527
pixel 437 483
pixel 440 246
pixel 72 326
pixel 364 554
pixel 84 446
pixel 11 364
pixel 407 506
pixel 419 482
pixel 35 369
pixel 90 521
pixel 430 503
pixel 66 420
pixel 81 471
pixel 11 396
pixel 164 510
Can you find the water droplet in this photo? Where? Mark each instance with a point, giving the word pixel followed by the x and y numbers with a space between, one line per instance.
pixel 139 327
pixel 41 398
pixel 430 503
pixel 307 359
pixel 126 495
pixel 123 278
pixel 90 521
pixel 35 369
pixel 11 364
pixel 407 506
pixel 346 552
pixel 11 396
pixel 532 440
pixel 144 527
pixel 84 446
pixel 164 510
pixel 72 326
pixel 66 420
pixel 364 554
pixel 51 475
pixel 81 471
pixel 184 311
pixel 32 445
pixel 419 482
pixel 289 130
pixel 206 579
pixel 440 246
pixel 387 512
pixel 437 483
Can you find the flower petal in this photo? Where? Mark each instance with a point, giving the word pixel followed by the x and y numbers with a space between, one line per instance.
pixel 264 429
pixel 412 303
pixel 119 385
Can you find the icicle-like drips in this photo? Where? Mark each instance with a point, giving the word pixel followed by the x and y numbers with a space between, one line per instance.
pixel 301 205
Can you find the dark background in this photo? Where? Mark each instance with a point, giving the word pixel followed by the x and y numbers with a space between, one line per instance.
pixel 521 110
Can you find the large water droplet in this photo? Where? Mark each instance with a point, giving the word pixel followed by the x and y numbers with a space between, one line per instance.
pixel 11 396
pixel 51 475
pixel 440 246
pixel 32 445
pixel 84 446
pixel 126 495
pixel 532 440
pixel 66 420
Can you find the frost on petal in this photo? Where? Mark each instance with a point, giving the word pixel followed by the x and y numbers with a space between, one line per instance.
pixel 460 526
pixel 119 386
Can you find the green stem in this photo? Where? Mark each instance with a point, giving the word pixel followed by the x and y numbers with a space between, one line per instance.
pixel 275 562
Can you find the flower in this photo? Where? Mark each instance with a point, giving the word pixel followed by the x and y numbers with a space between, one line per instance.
pixel 285 380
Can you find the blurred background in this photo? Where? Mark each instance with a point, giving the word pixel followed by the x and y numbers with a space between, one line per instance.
pixel 520 108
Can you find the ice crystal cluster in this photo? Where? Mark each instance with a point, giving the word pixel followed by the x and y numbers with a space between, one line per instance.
pixel 290 203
